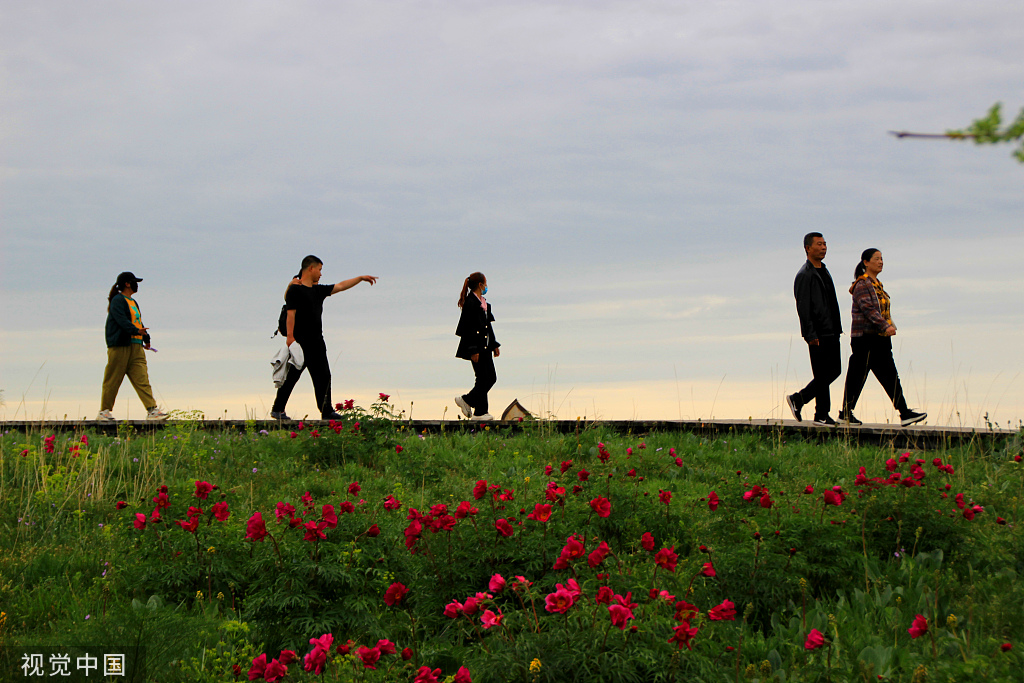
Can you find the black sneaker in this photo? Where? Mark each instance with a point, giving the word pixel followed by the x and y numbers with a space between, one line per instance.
pixel 279 416
pixel 848 418
pixel 794 404
pixel 825 421
pixel 331 416
pixel 910 417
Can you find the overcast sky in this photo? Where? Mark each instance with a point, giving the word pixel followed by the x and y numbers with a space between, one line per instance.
pixel 634 178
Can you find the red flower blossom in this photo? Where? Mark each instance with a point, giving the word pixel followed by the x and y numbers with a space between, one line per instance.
pixel 497 583
pixel 287 656
pixel 832 498
pixel 346 506
pixel 220 511
pixel 559 601
pixel 329 517
pixel 480 489
pixel 685 611
pixel 548 469
pixel 292 434
pixel 1006 647
pixel 891 465
pixel 815 639
pixel 647 541
pixel 384 396
pixel 724 612
pixel 602 506
pixel 425 675
pixel 259 666
pixel 620 615
pixel 315 660
pixel 968 514
pixel 465 509
pixel 708 570
pixel 161 500
pixel 392 503
pixel 407 654
pixel 386 647
pixel 191 525
pixel 583 475
pixel 666 558
pixel 598 556
pixel 632 472
pixel 307 499
pixel 398 448
pixel 394 594
pixel 48 443
pixel 713 501
pixel 140 521
pixel 373 531
pixel 604 595
pixel 354 488
pixel 472 605
pixel 490 619
pixel 453 609
pixel 255 529
pixel 284 510
pixel 665 496
pixel 462 675
pixel 541 512
pixel 121 505
pixel 314 531
pixel 503 527
pixel 809 489
pixel 369 656
pixel 919 627
pixel 683 635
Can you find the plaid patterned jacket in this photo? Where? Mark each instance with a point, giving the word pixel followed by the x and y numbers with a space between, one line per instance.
pixel 870 307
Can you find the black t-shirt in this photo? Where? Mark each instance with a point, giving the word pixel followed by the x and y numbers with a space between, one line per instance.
pixel 308 304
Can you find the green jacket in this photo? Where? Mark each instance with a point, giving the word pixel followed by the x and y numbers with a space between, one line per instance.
pixel 120 329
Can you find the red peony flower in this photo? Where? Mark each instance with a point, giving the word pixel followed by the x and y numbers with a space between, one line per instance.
pixel 425 675
pixel 598 556
pixel 121 505
pixel 541 512
pixel 832 498
pixel 369 656
pixel 140 521
pixel 328 516
pixel 602 506
pixel 647 541
pixel 161 500
pixel 497 583
pixel 604 595
pixel 314 531
pixel 465 509
pixel 683 635
pixel 1006 647
pixel 398 448
pixel 407 654
pixel 394 594
pixel 583 475
pixel 919 627
pixel 354 488
pixel 548 469
pixel 462 675
pixel 346 506
pixel 480 489
pixel 665 496
pixel 708 570
pixel 453 609
pixel 392 503
pixel 724 612
pixel 384 396
pixel 815 639
pixel 292 434
pixel 307 499
pixel 559 601
pixel 685 611
pixel 255 529
pixel 220 511
pixel 968 514
pixel 620 615
pixel 386 647
pixel 259 666
pixel 666 558
pixel 503 527
pixel 490 619
pixel 373 531
pixel 191 525
pixel 713 501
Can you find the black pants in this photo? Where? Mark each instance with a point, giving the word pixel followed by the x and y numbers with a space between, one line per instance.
pixel 872 353
pixel 826 366
pixel 315 355
pixel 485 379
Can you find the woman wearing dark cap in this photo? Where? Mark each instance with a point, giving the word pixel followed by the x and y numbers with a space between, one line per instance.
pixel 871 342
pixel 126 341
pixel 476 344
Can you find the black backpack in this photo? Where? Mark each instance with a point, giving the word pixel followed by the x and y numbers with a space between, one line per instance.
pixel 282 323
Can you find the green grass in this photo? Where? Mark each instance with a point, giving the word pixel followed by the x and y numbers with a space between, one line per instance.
pixel 74 570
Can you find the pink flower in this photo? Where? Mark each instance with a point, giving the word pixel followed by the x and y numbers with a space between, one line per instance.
pixel 919 627
pixel 259 666
pixel 815 639
pixel 392 503
pixel 620 615
pixel 602 506
pixel 191 525
pixel 496 584
pixel 489 618
pixel 275 670
pixel 453 609
pixel 292 435
pixel 647 541
pixel 724 612
pixel 140 521
pixel 394 594
pixel 384 396
pixel 666 558
pixel 255 529
pixel 287 656
pixel 503 527
pixel 808 489
pixel 369 656
pixel 559 601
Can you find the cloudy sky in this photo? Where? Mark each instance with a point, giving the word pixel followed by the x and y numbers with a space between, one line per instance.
pixel 634 178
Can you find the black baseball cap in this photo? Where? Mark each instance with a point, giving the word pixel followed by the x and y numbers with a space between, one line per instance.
pixel 127 278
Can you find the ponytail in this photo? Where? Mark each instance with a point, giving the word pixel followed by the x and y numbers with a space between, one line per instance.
pixel 114 291
pixel 859 271
pixel 470 284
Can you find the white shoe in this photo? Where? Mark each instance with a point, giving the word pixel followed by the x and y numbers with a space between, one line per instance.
pixel 106 416
pixel 156 414
pixel 464 407
pixel 484 418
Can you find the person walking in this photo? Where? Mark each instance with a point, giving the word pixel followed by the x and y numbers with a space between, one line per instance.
pixel 820 326
pixel 477 344
pixel 304 301
pixel 871 342
pixel 127 343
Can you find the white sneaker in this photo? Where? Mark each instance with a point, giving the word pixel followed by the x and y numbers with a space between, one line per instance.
pixel 464 407
pixel 484 418
pixel 156 414
pixel 106 416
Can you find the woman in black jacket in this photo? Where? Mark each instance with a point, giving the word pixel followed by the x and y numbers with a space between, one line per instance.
pixel 476 344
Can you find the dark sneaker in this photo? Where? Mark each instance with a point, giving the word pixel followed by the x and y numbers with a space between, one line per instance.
pixel 331 416
pixel 825 421
pixel 279 416
pixel 910 417
pixel 794 404
pixel 848 418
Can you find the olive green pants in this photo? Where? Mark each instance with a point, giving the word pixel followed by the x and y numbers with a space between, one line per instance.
pixel 126 360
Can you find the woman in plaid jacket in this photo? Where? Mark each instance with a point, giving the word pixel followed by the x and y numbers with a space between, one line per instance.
pixel 871 342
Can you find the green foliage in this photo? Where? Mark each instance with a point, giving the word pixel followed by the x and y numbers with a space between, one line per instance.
pixel 988 131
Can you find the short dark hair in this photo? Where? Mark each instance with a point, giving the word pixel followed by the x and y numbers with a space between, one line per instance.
pixel 309 261
pixel 808 238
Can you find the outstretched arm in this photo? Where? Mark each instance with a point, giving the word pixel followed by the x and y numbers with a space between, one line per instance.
pixel 352 282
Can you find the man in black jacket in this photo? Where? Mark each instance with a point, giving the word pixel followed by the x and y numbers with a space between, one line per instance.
pixel 820 326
